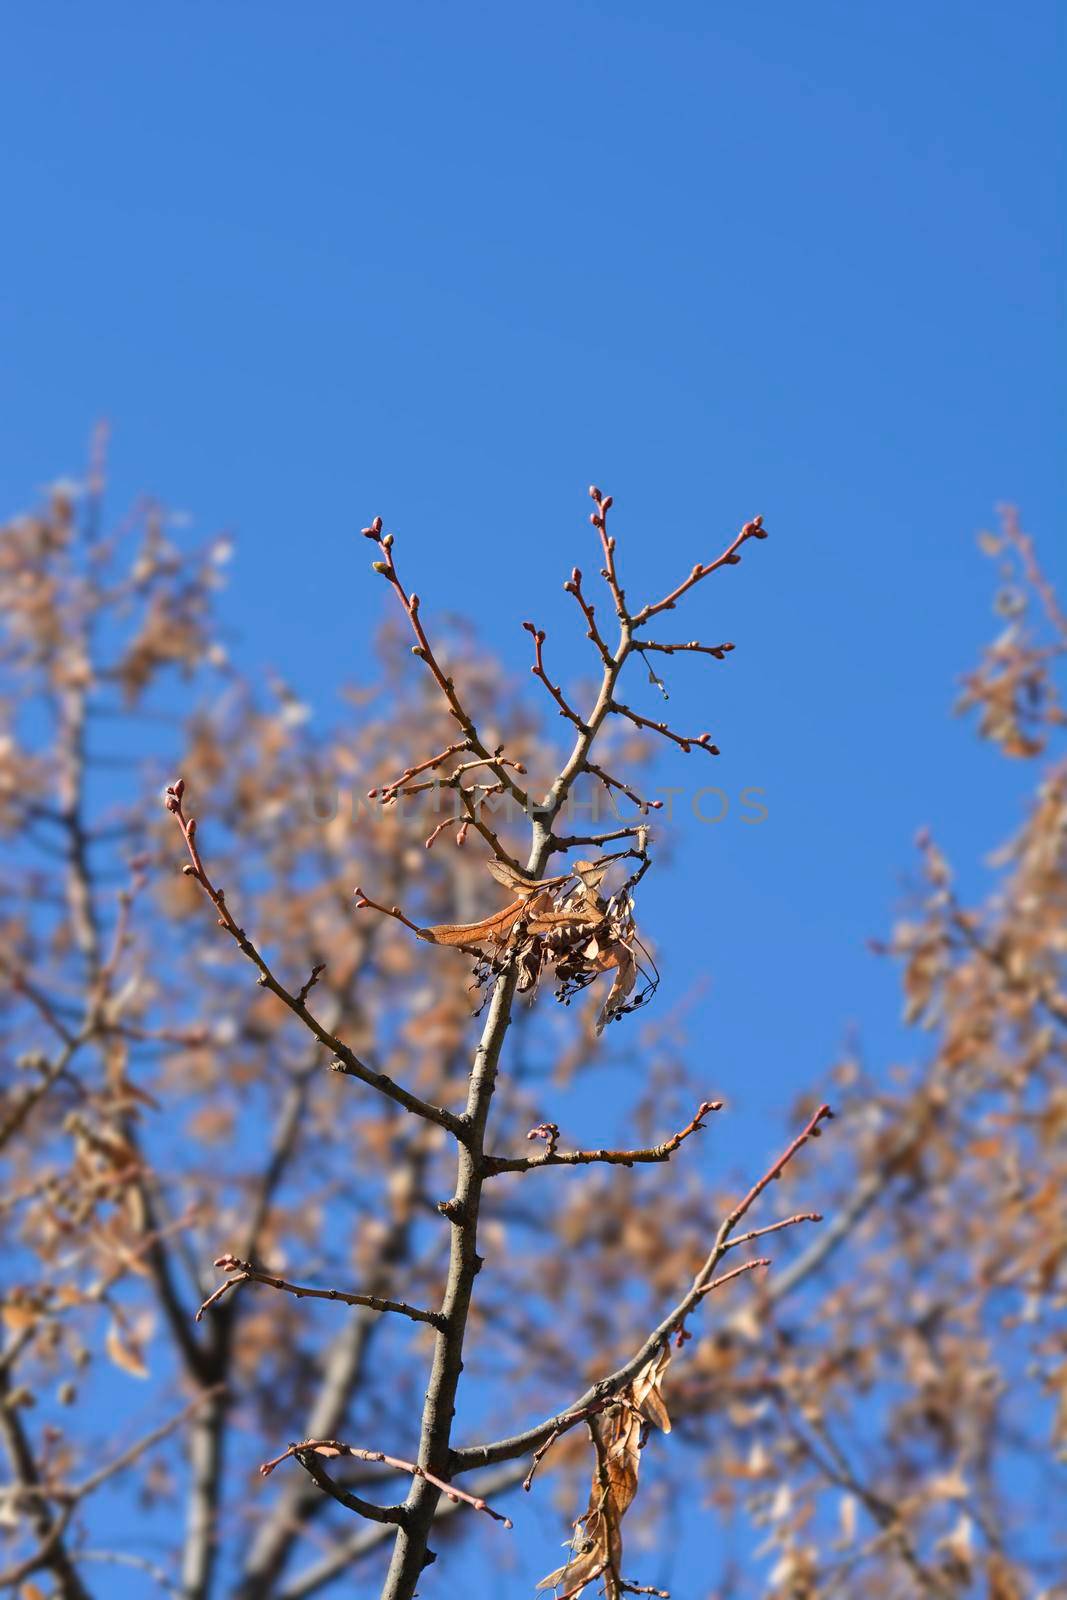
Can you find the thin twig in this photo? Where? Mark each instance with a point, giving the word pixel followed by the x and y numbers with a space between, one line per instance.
pixel 334 1447
pixel 245 1272
pixel 574 586
pixel 551 1157
pixel 538 670
pixel 350 1064
pixel 701 741
pixel 729 558
pixel 387 568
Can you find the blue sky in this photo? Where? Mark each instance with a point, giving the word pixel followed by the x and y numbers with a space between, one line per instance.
pixel 450 264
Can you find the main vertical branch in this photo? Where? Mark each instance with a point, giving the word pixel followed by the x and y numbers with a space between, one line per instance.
pixel 410 1552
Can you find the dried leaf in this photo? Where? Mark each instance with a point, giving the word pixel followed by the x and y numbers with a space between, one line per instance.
pixel 646 1389
pixel 495 929
pixel 19 1316
pixel 124 1353
pixel 617 1435
pixel 620 957
pixel 518 883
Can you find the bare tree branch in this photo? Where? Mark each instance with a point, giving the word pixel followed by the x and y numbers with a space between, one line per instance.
pixel 245 1272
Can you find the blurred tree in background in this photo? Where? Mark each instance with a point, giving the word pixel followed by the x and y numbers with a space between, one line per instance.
pixel 883 1413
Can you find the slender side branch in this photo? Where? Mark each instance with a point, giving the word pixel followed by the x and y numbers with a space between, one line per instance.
pixel 702 740
pixel 334 1448
pixel 551 1157
pixel 736 1272
pixel 729 558
pixel 351 1065
pixel 644 806
pixel 599 519
pixel 339 1558
pixel 719 651
pixel 387 569
pixel 772 1227
pixel 538 670
pixel 574 586
pixel 245 1272
pixel 389 791
pixel 368 1509
pixel 573 841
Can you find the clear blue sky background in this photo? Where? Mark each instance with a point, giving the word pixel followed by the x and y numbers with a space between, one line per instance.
pixel 452 263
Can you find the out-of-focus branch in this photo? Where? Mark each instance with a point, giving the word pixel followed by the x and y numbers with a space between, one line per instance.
pixel 343 1369
pixel 31 1493
pixel 49 1527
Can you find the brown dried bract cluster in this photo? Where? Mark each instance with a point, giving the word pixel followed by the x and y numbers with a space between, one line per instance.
pixel 563 924
pixel 618 1434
